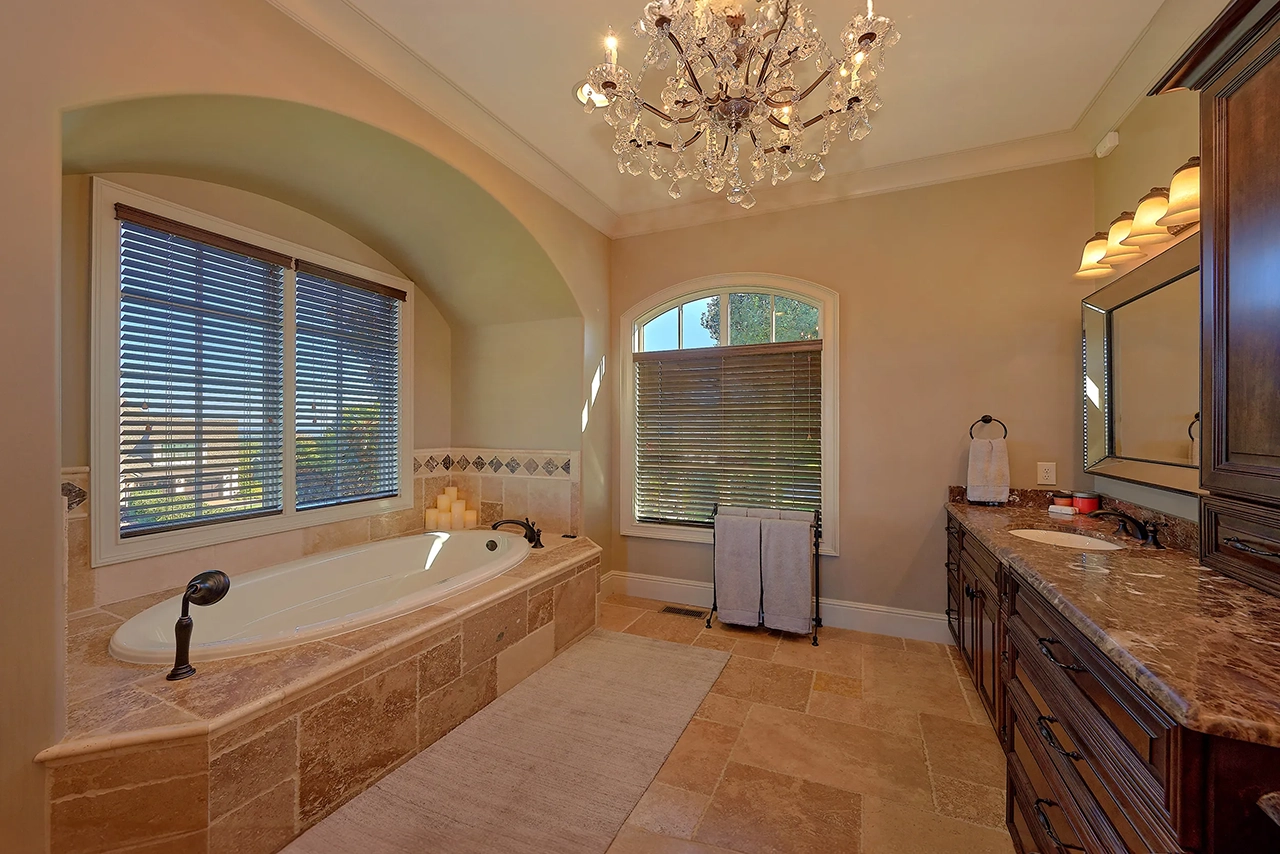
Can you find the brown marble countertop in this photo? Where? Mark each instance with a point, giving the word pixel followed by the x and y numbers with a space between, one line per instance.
pixel 1204 647
pixel 114 704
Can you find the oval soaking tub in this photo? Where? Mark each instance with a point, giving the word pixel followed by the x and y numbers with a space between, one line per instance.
pixel 322 596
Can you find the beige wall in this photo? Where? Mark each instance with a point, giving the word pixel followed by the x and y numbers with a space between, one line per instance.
pixel 956 300
pixel 1155 139
pixel 511 385
pixel 78 52
pixel 431 334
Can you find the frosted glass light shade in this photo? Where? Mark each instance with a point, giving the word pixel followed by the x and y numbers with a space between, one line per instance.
pixel 1146 230
pixel 1184 196
pixel 1117 252
pixel 1094 248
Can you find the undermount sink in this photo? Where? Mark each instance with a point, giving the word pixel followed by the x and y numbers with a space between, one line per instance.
pixel 1066 540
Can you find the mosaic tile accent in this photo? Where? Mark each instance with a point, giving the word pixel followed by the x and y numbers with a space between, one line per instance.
pixel 559 465
pixel 417 466
pixel 75 495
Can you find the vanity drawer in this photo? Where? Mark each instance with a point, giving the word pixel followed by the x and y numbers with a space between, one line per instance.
pixel 1242 541
pixel 1102 789
pixel 978 560
pixel 1122 720
pixel 1056 820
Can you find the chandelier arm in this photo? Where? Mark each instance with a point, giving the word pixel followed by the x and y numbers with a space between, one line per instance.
pixel 688 66
pixel 659 113
pixel 815 84
pixel 764 68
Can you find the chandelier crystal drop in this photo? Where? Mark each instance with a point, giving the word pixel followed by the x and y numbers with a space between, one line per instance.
pixel 740 104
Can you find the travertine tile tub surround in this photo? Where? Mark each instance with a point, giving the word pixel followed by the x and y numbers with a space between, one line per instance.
pixel 252 751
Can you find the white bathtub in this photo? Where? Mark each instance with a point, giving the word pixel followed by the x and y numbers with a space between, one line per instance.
pixel 322 596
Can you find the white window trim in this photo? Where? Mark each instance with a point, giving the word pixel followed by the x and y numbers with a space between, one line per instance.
pixel 828 303
pixel 108 547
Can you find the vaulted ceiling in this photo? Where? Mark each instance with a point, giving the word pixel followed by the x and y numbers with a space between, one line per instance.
pixel 973 88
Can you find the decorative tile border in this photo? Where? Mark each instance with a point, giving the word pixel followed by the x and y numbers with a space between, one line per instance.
pixel 497 462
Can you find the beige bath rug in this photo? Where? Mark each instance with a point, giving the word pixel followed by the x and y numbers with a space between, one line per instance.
pixel 554 765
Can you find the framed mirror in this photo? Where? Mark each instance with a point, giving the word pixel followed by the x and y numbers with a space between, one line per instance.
pixel 1142 373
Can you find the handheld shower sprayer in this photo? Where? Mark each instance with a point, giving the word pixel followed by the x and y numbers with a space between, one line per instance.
pixel 206 588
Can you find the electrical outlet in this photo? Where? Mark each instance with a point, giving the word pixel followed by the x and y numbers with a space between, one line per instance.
pixel 1046 474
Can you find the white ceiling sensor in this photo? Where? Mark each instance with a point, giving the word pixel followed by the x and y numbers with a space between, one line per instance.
pixel 1108 145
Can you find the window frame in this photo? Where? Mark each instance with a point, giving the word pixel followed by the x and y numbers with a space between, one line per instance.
pixel 629 340
pixel 108 547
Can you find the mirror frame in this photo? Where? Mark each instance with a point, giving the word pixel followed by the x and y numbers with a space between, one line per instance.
pixel 1179 260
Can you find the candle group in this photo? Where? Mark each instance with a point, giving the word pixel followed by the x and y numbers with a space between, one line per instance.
pixel 449 513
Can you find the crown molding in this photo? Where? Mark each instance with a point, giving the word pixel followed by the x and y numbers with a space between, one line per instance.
pixel 365 42
pixel 1174 27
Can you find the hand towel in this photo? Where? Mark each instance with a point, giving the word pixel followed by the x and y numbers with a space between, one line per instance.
pixel 786 565
pixel 737 570
pixel 763 513
pixel 802 515
pixel 988 471
pixel 731 511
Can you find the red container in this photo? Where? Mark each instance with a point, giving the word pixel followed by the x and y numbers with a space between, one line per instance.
pixel 1086 502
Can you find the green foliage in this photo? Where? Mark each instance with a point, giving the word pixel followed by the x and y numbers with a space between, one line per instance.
pixel 750 320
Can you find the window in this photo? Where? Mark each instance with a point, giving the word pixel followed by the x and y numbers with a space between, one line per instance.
pixel 733 407
pixel 210 339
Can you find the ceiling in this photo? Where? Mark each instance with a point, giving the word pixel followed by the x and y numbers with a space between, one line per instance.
pixel 972 88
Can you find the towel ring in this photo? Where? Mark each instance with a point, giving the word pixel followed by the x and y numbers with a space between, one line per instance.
pixel 987 419
pixel 1192 426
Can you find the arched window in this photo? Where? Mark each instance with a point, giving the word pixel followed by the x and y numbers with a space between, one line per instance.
pixel 729 397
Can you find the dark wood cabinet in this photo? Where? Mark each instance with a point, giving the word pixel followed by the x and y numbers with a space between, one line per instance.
pixel 1234 66
pixel 1093 763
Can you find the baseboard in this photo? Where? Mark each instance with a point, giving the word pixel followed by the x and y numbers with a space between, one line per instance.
pixel 878 619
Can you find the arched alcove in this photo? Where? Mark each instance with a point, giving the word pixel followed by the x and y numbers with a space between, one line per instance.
pixel 470 255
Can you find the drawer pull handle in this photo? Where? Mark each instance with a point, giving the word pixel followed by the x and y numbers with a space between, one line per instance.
pixel 969 592
pixel 1240 545
pixel 1042 724
pixel 1048 653
pixel 1048 825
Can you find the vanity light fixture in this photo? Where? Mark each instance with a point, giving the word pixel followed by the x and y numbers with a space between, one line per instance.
pixel 1090 262
pixel 1117 252
pixel 1184 196
pixel 1146 229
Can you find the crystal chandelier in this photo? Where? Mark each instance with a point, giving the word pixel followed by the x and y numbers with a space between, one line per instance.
pixel 733 110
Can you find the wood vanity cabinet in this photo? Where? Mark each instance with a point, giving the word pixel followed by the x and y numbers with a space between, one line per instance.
pixel 1093 763
pixel 973 612
pixel 1235 68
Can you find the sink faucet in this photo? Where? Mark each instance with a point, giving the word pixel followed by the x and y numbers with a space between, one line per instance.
pixel 1145 532
pixel 531 532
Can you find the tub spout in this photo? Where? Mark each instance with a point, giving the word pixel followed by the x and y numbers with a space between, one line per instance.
pixel 532 533
pixel 205 589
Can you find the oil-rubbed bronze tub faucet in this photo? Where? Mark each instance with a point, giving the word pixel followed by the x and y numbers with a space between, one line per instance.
pixel 532 533
pixel 205 589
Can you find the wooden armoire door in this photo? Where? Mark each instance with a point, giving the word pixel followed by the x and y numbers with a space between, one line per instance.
pixel 1240 221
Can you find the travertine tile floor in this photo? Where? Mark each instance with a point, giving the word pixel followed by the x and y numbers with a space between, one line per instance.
pixel 865 743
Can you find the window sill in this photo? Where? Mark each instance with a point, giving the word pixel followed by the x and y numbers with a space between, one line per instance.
pixel 679 533
pixel 114 549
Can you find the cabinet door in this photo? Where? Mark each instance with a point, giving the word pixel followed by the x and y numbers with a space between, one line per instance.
pixel 1240 209
pixel 969 623
pixel 987 655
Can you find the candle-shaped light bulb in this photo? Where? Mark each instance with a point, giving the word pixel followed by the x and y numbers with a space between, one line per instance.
pixel 871 12
pixel 611 48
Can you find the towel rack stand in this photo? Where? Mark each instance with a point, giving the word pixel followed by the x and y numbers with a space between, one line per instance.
pixel 816 526
pixel 987 419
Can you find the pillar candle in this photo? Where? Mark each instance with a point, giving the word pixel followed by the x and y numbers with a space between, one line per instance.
pixel 431 518
pixel 442 524
pixel 458 520
pixel 452 492
pixel 444 504
pixel 469 518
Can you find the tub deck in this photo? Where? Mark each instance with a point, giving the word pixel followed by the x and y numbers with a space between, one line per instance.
pixel 355 705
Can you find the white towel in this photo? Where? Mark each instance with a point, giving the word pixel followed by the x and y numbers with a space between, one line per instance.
pixel 737 570
pixel 786 562
pixel 802 515
pixel 763 513
pixel 731 511
pixel 988 471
